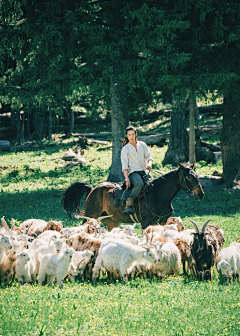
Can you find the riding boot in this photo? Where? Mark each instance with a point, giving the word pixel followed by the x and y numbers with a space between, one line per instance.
pixel 129 209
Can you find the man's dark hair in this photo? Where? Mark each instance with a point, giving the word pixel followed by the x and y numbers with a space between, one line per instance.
pixel 129 128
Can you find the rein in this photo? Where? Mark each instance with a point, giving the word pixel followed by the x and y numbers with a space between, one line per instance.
pixel 189 189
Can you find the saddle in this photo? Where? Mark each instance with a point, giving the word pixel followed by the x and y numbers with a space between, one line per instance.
pixel 121 192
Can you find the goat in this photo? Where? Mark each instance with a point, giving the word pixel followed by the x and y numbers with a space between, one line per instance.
pixel 8 264
pixel 185 251
pixel 118 255
pixel 82 242
pixel 229 264
pixel 80 260
pixel 55 266
pixel 33 226
pixel 204 252
pixel 4 246
pixel 25 268
pixel 176 221
pixel 169 260
pixel 54 247
pixel 54 226
pixel 49 234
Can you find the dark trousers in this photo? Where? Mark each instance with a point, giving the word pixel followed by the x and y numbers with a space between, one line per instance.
pixel 137 182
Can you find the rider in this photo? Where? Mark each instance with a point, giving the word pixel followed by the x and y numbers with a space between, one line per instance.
pixel 135 158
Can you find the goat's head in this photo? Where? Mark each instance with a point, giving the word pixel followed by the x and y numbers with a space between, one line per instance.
pixel 5 240
pixel 199 237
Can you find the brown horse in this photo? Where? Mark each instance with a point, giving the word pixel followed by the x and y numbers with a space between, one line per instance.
pixel 152 207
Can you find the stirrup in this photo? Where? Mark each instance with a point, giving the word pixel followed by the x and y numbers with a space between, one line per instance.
pixel 129 210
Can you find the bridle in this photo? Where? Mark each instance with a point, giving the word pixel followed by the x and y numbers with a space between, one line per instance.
pixel 189 189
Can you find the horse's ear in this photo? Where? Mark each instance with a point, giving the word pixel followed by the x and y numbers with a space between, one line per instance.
pixel 181 165
pixel 193 166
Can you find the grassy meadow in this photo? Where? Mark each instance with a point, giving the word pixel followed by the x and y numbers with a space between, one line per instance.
pixel 30 187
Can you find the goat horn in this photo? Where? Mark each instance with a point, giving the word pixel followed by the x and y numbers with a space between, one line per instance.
pixel 100 218
pixel 215 226
pixel 151 237
pixel 204 226
pixel 85 217
pixel 13 223
pixel 195 225
pixel 19 229
pixel 4 223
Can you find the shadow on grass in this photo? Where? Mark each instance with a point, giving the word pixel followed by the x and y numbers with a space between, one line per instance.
pixel 219 206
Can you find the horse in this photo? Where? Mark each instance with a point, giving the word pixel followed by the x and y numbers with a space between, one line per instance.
pixel 154 206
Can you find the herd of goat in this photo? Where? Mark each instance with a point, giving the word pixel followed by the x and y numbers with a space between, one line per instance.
pixel 84 252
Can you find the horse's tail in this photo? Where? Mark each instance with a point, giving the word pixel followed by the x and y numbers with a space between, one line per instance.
pixel 74 197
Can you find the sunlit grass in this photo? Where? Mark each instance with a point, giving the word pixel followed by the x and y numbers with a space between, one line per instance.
pixel 175 306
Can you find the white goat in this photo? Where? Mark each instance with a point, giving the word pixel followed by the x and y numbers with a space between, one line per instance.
pixel 25 268
pixel 169 260
pixel 118 255
pixel 55 266
pixel 80 260
pixel 229 266
pixel 54 247
pixel 4 246
pixel 48 234
pixel 8 263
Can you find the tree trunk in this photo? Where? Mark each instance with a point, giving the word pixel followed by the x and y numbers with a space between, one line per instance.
pixel 119 110
pixel 230 137
pixel 12 118
pixel 50 124
pixel 70 119
pixel 34 118
pixel 22 125
pixel 28 125
pixel 18 125
pixel 178 141
pixel 192 118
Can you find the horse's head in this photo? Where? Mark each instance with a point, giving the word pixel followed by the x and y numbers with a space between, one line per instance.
pixel 189 181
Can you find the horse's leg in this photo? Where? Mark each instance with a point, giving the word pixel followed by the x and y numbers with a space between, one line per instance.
pixel 110 224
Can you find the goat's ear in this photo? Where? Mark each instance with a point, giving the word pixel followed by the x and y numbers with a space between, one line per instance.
pixel 18 256
pixel 134 225
pixel 121 225
pixel 145 254
pixel 188 252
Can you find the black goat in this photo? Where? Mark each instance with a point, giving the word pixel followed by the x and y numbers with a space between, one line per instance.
pixel 204 252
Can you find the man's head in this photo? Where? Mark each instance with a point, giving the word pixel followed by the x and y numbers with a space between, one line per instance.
pixel 131 133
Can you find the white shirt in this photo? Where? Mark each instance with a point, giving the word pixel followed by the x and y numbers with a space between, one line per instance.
pixel 135 159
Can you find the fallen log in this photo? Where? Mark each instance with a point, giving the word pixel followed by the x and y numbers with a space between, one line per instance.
pixel 93 135
pixel 98 142
pixel 154 139
pixel 211 109
pixel 20 147
pixel 103 148
pixel 5 145
pixel 208 181
pixel 203 154
pixel 211 128
pixel 211 147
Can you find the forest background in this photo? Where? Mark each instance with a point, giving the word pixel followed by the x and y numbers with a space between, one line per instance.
pixel 120 58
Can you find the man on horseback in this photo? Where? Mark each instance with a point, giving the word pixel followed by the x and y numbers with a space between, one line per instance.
pixel 135 158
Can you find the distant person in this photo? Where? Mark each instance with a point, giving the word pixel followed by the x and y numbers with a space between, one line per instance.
pixel 135 158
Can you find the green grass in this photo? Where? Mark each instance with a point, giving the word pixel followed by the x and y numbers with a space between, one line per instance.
pixel 175 306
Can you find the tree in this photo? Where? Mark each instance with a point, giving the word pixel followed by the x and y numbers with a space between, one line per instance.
pixel 178 143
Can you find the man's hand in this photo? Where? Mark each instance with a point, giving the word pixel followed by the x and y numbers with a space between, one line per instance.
pixel 149 165
pixel 128 183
